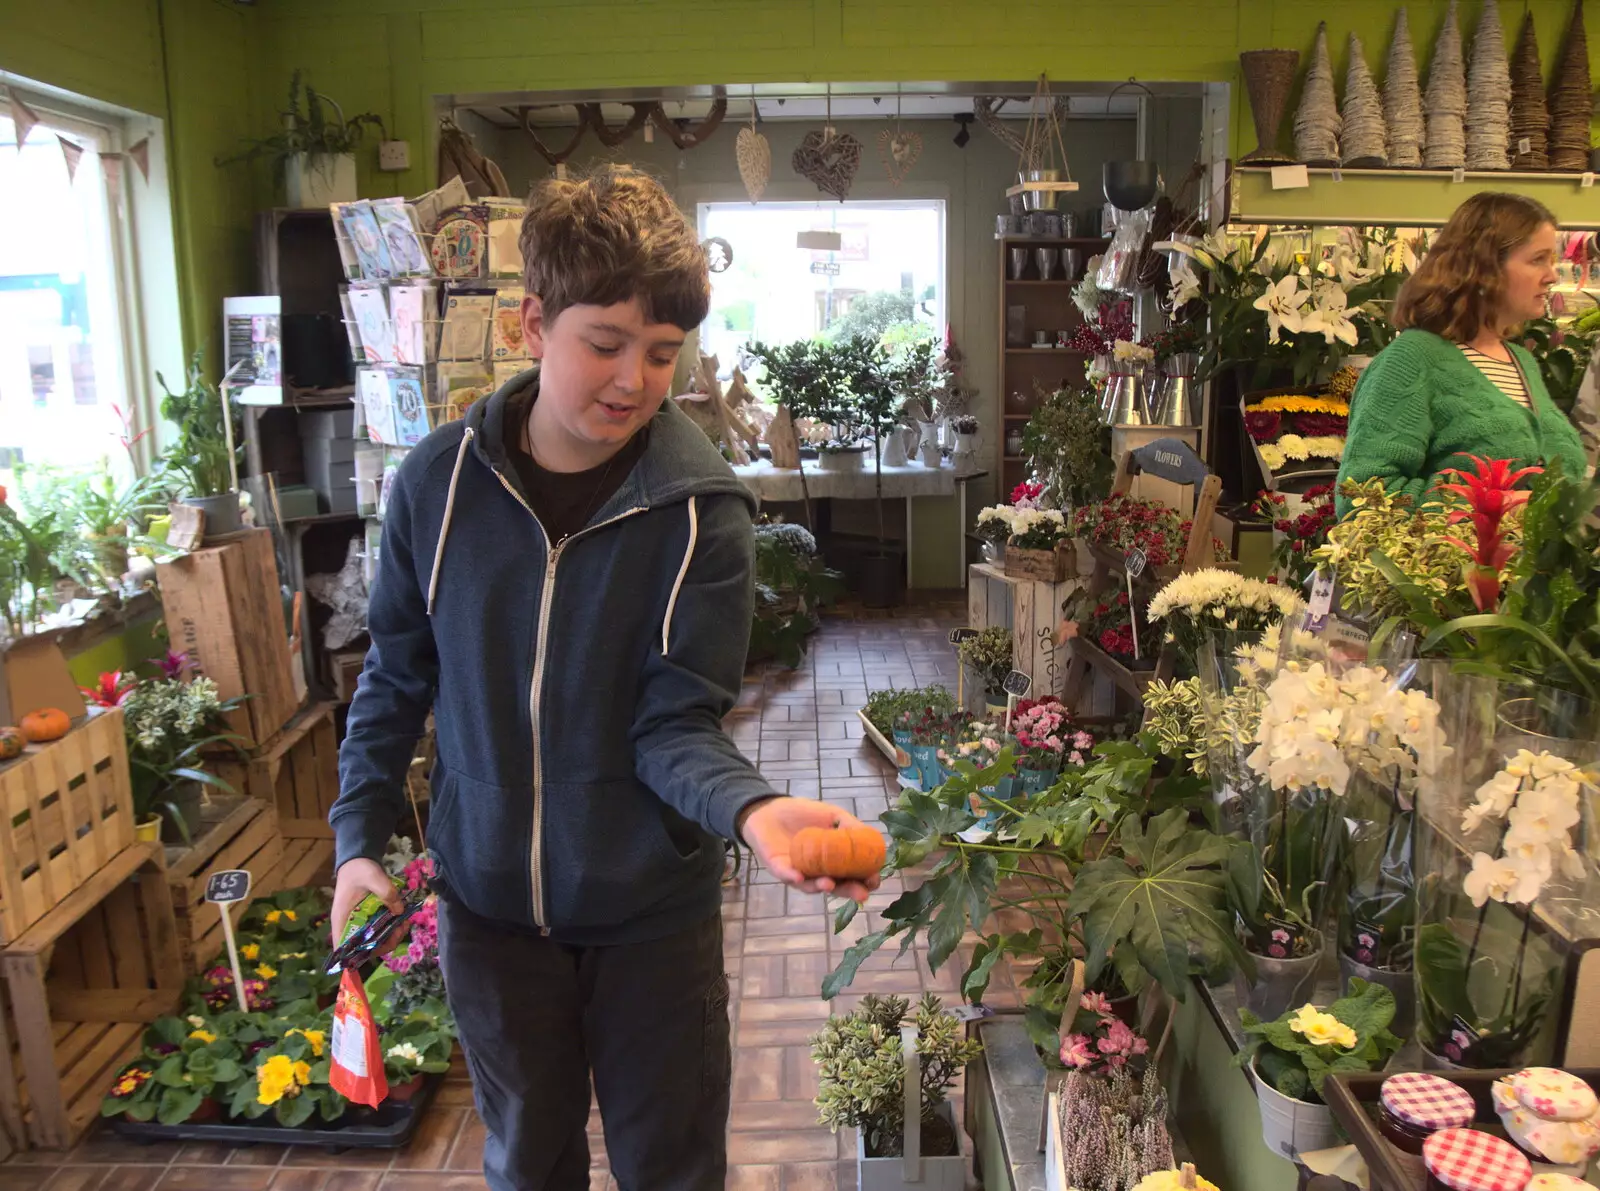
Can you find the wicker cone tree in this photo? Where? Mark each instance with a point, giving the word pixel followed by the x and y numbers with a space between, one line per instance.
pixel 1445 102
pixel 1316 120
pixel 1570 100
pixel 1363 138
pixel 1402 99
pixel 1530 116
pixel 1488 124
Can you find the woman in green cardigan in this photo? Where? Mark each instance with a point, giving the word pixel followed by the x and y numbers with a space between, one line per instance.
pixel 1452 384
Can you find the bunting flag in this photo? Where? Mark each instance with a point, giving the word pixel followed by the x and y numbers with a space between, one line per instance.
pixel 72 153
pixel 111 164
pixel 140 152
pixel 22 116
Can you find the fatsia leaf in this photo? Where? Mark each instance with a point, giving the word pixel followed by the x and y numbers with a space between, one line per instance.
pixel 976 980
pixel 850 962
pixel 845 914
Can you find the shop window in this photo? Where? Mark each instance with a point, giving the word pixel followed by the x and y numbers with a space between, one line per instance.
pixel 887 278
pixel 64 294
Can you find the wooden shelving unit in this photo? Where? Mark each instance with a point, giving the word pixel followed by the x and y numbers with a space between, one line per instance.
pixel 1049 308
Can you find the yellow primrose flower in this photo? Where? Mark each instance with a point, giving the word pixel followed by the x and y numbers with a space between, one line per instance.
pixel 1322 1029
pixel 290 915
pixel 203 1035
pixel 278 1077
pixel 266 971
pixel 250 951
pixel 316 1037
pixel 273 916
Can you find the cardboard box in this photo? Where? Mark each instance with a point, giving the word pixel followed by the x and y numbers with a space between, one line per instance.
pixel 224 607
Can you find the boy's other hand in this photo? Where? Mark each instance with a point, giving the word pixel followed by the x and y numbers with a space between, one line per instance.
pixel 356 879
pixel 768 827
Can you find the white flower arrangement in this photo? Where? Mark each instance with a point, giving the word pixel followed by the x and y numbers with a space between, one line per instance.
pixel 1095 377
pixel 1301 448
pixel 1037 529
pixel 1087 295
pixel 995 522
pixel 1537 796
pixel 1317 730
pixel 1126 351
pixel 1212 595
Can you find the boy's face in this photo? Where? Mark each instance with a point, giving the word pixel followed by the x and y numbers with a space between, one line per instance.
pixel 604 371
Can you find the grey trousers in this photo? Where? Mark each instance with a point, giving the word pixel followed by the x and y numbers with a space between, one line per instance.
pixel 649 1019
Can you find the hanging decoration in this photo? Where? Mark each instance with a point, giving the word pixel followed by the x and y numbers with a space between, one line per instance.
pixel 1402 99
pixel 686 135
pixel 1530 116
pixel 719 254
pixel 754 155
pixel 111 166
pixel 1268 78
pixel 458 157
pixel 139 152
pixel 592 115
pixel 23 117
pixel 898 150
pixel 1488 125
pixel 828 159
pixel 555 157
pixel 1316 120
pixel 1445 102
pixel 1570 100
pixel 1043 171
pixel 987 109
pixel 1364 141
pixel 72 154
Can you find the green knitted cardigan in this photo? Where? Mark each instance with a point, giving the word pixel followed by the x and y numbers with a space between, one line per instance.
pixel 1422 406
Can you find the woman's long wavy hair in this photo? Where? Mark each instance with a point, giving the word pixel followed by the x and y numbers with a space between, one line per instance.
pixel 1459 287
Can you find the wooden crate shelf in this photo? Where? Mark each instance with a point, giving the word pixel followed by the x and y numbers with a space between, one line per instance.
pixel 241 832
pixel 66 810
pixel 305 862
pixel 296 771
pixel 82 983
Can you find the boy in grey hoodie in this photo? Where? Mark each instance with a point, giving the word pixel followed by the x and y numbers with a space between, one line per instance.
pixel 566 580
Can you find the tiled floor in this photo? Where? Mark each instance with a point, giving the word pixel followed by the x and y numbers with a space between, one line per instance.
pixel 801 728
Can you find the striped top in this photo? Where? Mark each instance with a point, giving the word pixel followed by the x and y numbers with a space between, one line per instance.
pixel 1503 374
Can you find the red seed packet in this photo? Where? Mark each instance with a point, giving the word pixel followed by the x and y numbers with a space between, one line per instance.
pixel 355 1069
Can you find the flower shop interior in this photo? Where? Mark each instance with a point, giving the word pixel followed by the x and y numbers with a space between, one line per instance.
pixel 1242 826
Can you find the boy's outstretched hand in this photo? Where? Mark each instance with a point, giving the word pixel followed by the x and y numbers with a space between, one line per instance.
pixel 769 826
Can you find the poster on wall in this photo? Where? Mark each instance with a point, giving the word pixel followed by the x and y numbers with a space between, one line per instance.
pixel 252 337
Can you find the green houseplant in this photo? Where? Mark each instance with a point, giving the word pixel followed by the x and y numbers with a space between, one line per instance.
pixel 204 456
pixel 314 152
pixel 170 723
pixel 988 656
pixel 1065 443
pixel 792 584
pixel 861 1074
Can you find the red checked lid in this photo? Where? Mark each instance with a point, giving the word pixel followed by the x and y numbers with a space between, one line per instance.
pixel 1427 1101
pixel 1466 1160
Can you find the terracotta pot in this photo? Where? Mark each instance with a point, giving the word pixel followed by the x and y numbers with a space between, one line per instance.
pixel 402 1093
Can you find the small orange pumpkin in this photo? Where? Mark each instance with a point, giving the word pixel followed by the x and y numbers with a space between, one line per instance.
pixel 851 853
pixel 48 723
pixel 12 743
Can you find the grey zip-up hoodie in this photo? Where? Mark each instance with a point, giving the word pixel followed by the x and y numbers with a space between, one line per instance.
pixel 583 782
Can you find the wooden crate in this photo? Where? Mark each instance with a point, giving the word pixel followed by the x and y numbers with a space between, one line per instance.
pixel 223 607
pixel 1032 611
pixel 242 833
pixel 66 810
pixel 304 862
pixel 83 982
pixel 296 771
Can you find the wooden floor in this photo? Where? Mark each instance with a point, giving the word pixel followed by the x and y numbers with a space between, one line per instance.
pixel 800 727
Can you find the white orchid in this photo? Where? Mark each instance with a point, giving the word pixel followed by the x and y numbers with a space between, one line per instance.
pixel 1284 303
pixel 1537 795
pixel 1502 880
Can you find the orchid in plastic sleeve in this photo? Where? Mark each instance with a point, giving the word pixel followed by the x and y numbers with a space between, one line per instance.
pixel 1490 495
pixel 1535 797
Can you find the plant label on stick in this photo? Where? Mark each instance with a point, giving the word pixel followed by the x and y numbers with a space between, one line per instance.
pixel 957 636
pixel 1016 685
pixel 1134 562
pixel 222 890
pixel 1321 601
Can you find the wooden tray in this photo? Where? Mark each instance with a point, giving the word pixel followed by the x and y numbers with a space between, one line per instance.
pixel 1391 1168
pixel 884 745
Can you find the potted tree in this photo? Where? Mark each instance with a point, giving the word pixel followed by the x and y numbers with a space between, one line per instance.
pixel 313 154
pixel 203 457
pixel 863 1067
pixel 877 393
pixel 803 377
pixel 1292 1056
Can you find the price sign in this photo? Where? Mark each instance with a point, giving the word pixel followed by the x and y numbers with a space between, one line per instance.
pixel 825 268
pixel 1459 174
pixel 957 636
pixel 1321 601
pixel 1134 562
pixel 1017 683
pixel 231 885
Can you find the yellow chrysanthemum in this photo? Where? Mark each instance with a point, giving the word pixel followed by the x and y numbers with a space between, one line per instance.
pixel 1322 1029
pixel 1300 405
pixel 203 1035
pixel 316 1037
pixel 250 951
pixel 266 971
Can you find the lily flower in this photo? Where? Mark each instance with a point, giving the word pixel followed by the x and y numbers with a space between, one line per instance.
pixel 1490 494
pixel 1284 304
pixel 1330 315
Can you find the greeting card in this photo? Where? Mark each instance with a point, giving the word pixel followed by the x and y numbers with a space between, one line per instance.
pixel 406 393
pixel 458 245
pixel 504 235
pixel 407 257
pixel 372 252
pixel 373 386
pixel 410 308
pixel 466 327
pixel 371 311
pixel 507 341
pixel 461 385
pixel 505 370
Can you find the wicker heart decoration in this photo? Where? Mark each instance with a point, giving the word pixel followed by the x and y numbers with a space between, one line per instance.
pixel 899 152
pixel 754 155
pixel 830 162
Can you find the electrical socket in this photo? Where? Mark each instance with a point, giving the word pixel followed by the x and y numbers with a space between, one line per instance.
pixel 394 155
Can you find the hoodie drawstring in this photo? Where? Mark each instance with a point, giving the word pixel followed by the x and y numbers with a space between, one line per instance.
pixel 449 510
pixel 688 554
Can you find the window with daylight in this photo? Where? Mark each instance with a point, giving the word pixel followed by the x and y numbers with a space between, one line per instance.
pixel 886 279
pixel 65 294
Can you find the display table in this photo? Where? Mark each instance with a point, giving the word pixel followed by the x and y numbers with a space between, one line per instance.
pixel 766 482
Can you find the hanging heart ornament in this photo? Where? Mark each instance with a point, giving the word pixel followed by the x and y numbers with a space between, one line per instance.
pixel 754 155
pixel 899 152
pixel 829 161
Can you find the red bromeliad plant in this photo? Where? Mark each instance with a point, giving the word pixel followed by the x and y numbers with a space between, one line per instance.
pixel 1490 495
pixel 111 690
